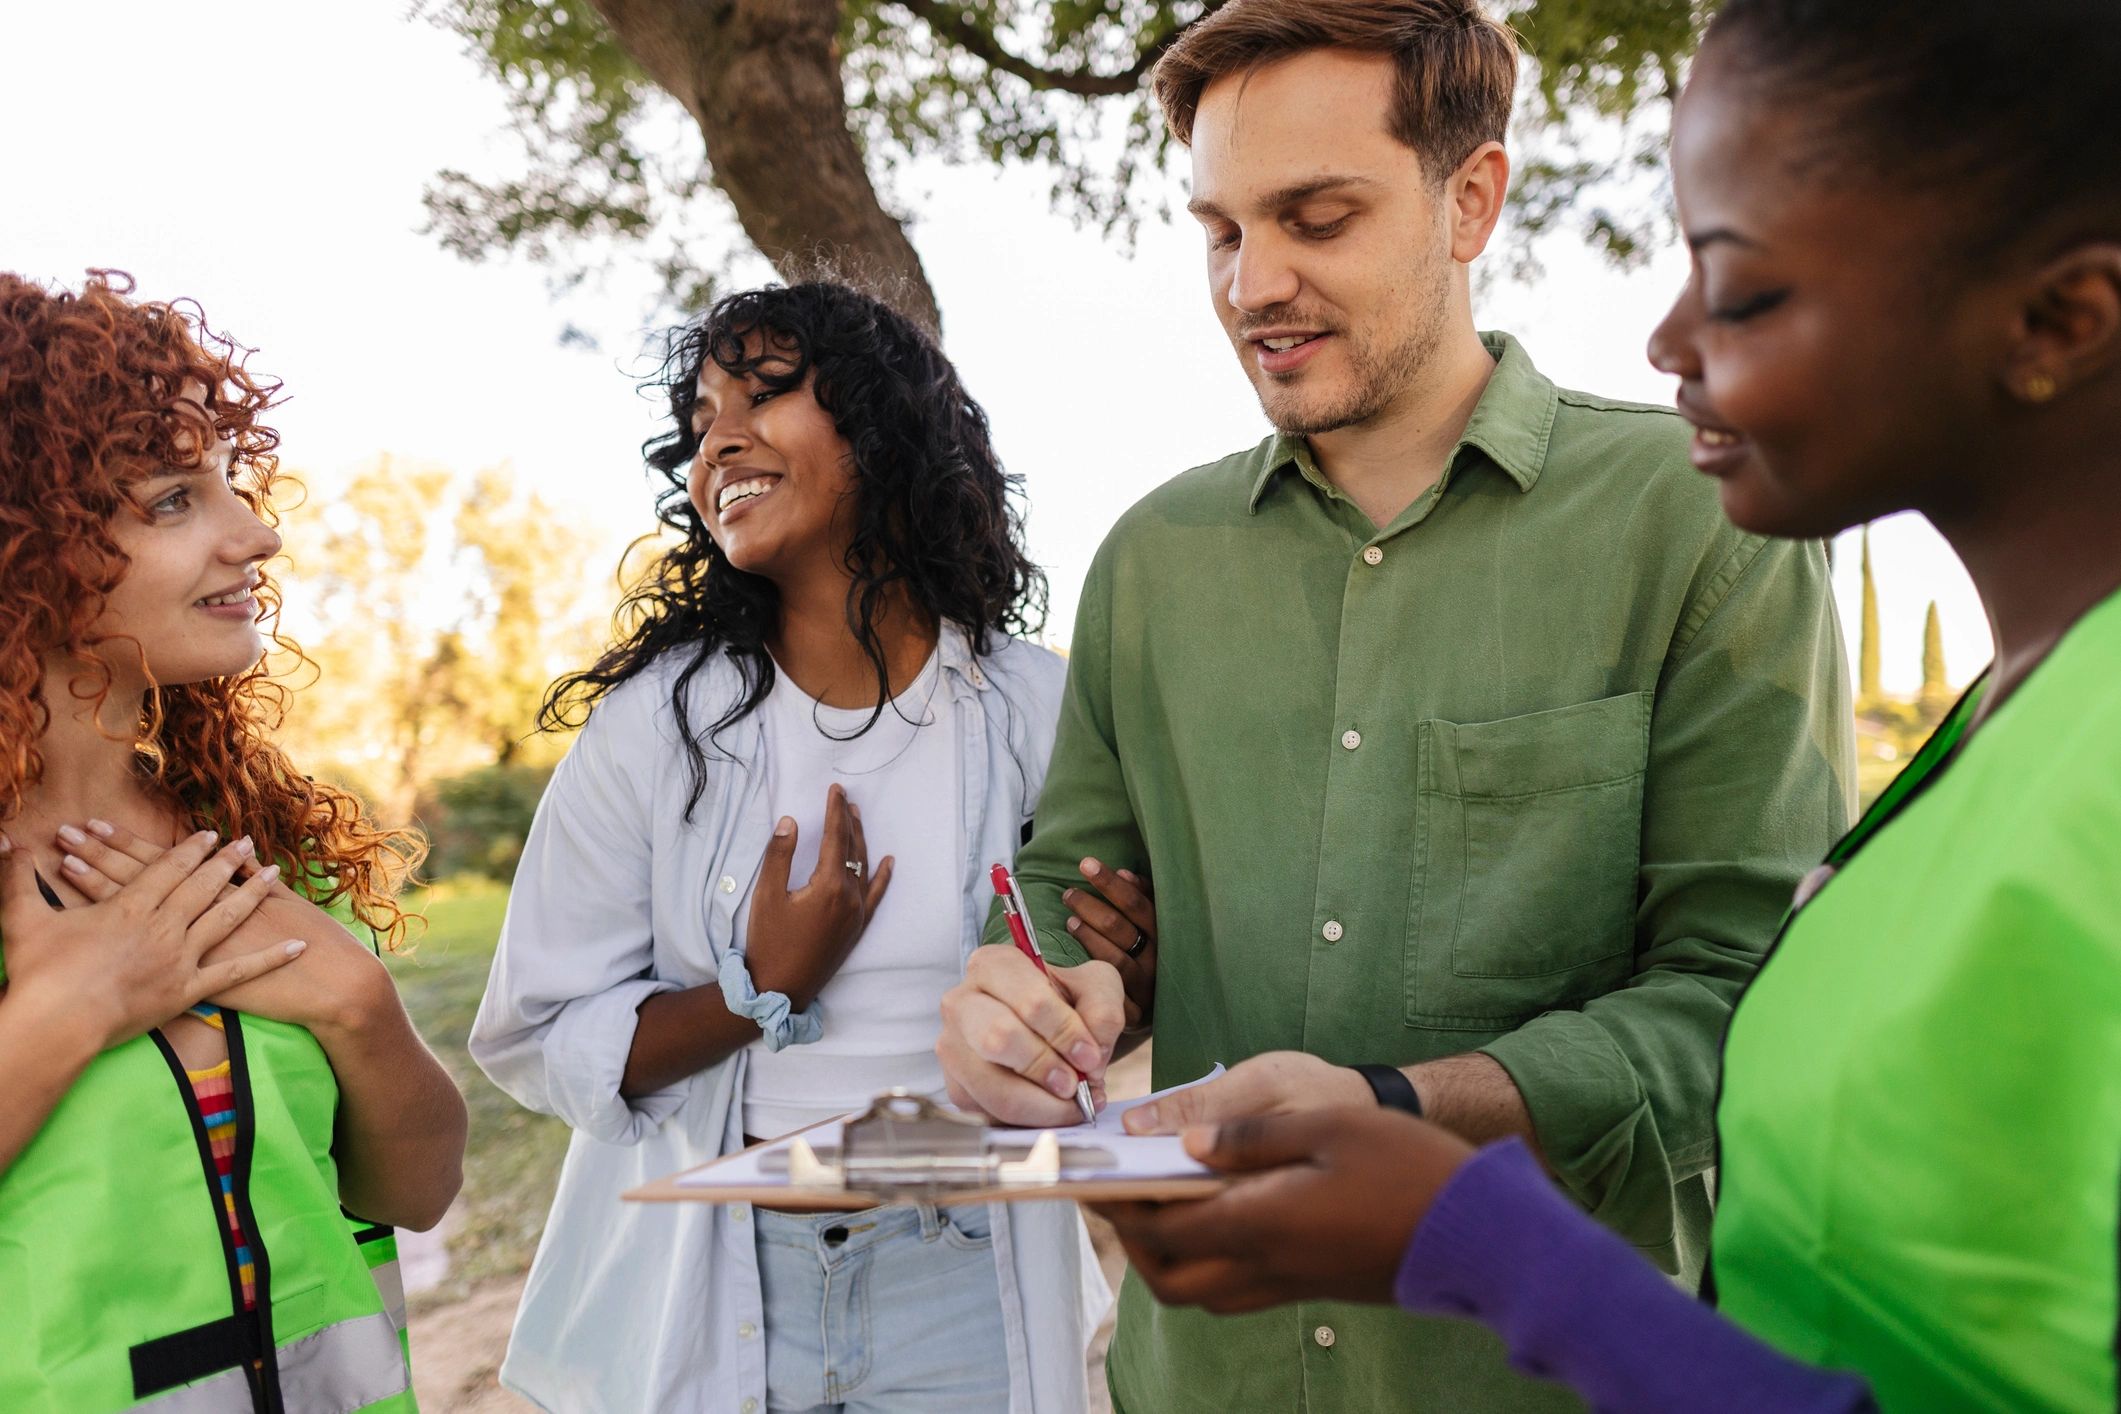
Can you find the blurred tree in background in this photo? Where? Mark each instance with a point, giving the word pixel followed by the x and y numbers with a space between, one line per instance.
pixel 477 821
pixel 451 602
pixel 1936 690
pixel 1891 729
pixel 1869 672
pixel 644 120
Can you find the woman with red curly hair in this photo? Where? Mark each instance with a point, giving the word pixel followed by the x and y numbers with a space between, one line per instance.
pixel 215 1107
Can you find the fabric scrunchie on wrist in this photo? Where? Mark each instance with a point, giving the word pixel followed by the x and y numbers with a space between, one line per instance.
pixel 782 1024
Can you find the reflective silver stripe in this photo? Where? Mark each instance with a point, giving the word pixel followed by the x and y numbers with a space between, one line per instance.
pixel 347 1366
pixel 228 1390
pixel 390 1285
pixel 333 1371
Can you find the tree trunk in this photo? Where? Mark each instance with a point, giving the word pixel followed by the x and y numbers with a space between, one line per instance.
pixel 762 80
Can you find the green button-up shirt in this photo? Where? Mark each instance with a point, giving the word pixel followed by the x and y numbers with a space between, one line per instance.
pixel 1532 770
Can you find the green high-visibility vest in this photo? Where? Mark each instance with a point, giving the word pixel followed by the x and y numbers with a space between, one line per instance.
pixel 118 1278
pixel 1921 1109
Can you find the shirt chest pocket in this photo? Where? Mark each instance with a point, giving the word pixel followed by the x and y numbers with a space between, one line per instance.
pixel 1529 838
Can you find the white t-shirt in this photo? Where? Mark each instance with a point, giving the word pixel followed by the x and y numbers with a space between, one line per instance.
pixel 880 1010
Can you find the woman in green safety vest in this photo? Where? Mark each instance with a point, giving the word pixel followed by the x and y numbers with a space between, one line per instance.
pixel 214 1108
pixel 1905 220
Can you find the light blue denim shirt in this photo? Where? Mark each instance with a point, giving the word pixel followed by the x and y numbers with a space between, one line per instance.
pixel 639 1306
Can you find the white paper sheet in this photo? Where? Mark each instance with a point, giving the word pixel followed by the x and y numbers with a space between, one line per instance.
pixel 1134 1155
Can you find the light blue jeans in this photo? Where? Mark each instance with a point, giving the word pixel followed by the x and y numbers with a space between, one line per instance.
pixel 890 1311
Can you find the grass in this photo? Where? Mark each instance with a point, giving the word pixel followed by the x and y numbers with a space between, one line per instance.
pixel 512 1161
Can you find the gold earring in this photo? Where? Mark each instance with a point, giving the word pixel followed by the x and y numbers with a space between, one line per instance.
pixel 2038 387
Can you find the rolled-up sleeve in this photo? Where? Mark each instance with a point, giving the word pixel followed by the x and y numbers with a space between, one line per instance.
pixel 1750 782
pixel 576 955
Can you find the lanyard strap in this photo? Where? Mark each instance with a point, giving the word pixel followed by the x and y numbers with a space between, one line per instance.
pixel 1928 765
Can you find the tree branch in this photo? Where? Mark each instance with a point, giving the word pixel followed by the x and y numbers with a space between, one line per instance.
pixel 956 24
pixel 762 80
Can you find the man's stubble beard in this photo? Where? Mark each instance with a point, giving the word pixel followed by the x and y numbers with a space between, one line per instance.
pixel 1380 376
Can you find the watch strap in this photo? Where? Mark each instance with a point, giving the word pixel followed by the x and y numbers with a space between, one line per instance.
pixel 1391 1087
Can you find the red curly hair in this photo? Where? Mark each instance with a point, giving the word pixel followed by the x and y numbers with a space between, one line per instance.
pixel 90 387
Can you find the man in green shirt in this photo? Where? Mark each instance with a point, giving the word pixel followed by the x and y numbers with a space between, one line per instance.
pixel 1455 727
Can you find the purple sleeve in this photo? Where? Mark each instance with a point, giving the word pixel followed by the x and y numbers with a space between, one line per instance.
pixel 1574 1303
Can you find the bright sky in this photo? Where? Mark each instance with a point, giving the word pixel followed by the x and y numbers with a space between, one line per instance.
pixel 1104 373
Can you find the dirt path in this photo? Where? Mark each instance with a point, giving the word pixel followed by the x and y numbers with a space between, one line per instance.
pixel 457 1348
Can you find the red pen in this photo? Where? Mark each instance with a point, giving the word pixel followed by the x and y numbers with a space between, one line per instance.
pixel 1013 909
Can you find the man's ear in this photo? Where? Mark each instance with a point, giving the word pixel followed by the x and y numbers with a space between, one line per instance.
pixel 1473 197
pixel 2069 330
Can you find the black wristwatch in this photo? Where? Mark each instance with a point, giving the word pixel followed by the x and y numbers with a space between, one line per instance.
pixel 1391 1087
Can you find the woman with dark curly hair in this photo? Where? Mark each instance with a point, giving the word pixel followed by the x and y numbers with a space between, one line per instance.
pixel 215 1105
pixel 698 950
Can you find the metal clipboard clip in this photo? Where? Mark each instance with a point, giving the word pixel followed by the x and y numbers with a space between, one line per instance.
pixel 906 1144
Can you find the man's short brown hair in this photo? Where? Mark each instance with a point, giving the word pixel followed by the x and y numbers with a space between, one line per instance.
pixel 1457 66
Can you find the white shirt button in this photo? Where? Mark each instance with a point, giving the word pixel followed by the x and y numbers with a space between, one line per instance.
pixel 728 884
pixel 1332 933
pixel 1324 1336
pixel 746 1329
pixel 751 1406
pixel 1351 738
pixel 979 679
pixel 1371 556
pixel 738 1212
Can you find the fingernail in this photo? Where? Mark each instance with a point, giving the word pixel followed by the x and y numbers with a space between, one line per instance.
pixel 785 827
pixel 1092 867
pixel 72 835
pixel 1075 924
pixel 270 871
pixel 1130 876
pixel 245 848
pixel 7 846
pixel 101 829
pixel 1083 1054
pixel 72 865
pixel 208 835
pixel 1068 895
pixel 1141 1119
pixel 1060 1082
pixel 295 946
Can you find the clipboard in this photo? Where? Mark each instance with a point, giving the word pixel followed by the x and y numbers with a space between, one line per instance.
pixel 905 1148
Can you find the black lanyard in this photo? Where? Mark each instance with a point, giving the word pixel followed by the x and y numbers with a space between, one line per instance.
pixel 1929 763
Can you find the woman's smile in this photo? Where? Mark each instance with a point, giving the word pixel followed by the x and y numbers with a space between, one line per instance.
pixel 740 489
pixel 238 605
pixel 1717 450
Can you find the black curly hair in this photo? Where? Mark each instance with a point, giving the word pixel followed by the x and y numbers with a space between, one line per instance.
pixel 936 517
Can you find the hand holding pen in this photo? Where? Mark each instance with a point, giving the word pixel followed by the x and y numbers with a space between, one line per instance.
pixel 1019 915
pixel 1018 1043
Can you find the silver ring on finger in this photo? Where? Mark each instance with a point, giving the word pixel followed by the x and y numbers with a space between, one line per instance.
pixel 1141 940
pixel 854 867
